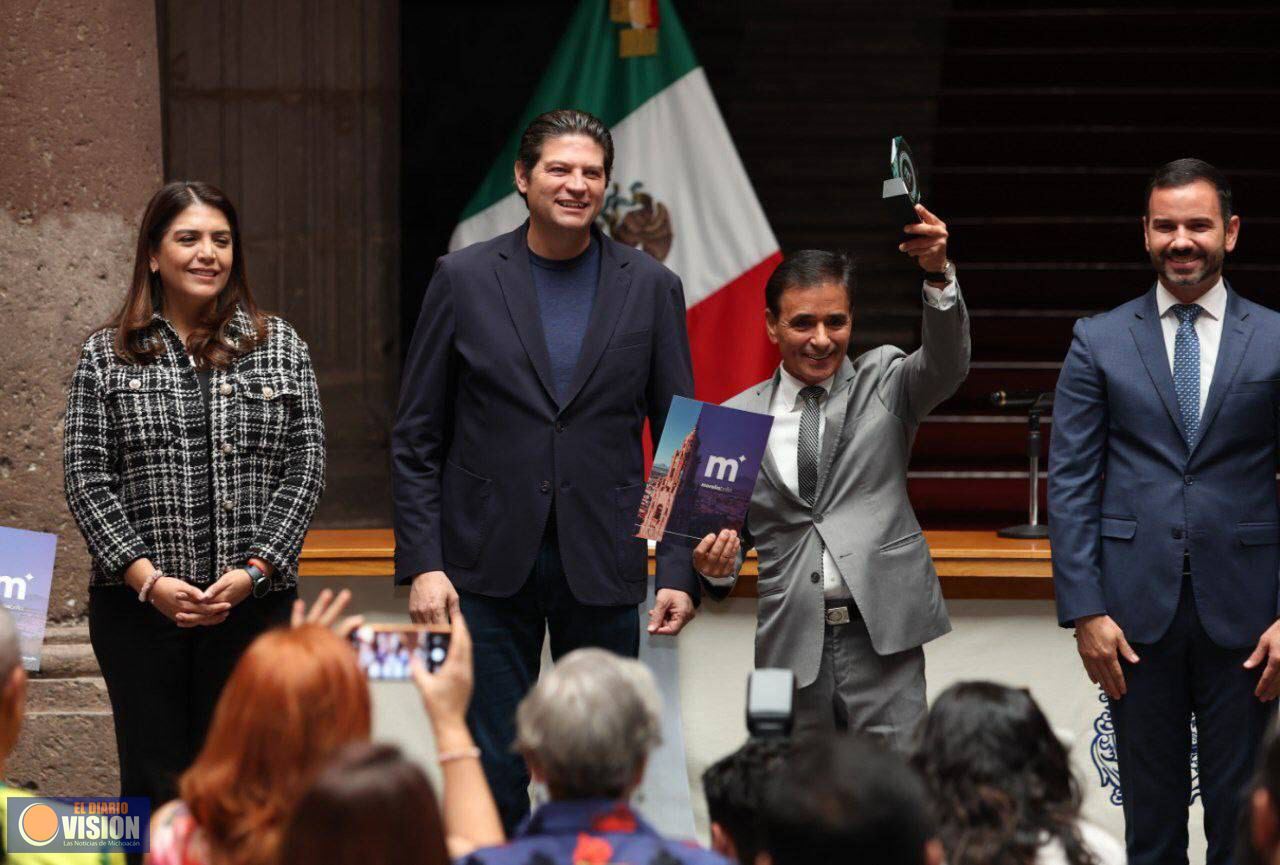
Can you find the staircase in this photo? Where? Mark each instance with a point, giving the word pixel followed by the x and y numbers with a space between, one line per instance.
pixel 68 745
pixel 1050 122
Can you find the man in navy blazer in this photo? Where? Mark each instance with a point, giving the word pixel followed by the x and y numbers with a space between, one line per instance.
pixel 1164 520
pixel 518 465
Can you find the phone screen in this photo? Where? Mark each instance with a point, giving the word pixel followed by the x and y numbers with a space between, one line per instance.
pixel 384 651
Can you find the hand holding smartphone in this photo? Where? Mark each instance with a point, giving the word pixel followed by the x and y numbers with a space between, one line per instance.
pixel 385 651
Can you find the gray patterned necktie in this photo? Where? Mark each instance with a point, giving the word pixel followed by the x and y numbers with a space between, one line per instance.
pixel 807 444
pixel 1186 368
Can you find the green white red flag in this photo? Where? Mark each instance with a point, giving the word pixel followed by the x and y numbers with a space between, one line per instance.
pixel 678 189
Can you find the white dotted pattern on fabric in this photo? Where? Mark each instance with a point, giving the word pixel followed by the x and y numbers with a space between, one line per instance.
pixel 1186 368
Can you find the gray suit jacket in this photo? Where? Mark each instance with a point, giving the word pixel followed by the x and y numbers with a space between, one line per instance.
pixel 861 512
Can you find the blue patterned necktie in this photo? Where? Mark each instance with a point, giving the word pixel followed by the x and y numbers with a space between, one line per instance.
pixel 807 444
pixel 1186 368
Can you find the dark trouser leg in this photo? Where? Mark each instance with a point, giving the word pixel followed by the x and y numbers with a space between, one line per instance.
pixel 217 650
pixel 1153 743
pixel 146 662
pixel 507 635
pixel 1230 722
pixel 573 625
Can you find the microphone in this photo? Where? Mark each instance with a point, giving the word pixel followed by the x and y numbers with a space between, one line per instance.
pixel 1022 399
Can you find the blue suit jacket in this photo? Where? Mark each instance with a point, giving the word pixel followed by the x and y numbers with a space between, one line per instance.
pixel 1127 496
pixel 482 449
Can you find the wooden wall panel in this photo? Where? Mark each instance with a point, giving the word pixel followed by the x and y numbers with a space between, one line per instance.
pixel 293 108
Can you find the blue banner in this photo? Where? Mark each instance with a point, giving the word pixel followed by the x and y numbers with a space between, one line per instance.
pixel 26 578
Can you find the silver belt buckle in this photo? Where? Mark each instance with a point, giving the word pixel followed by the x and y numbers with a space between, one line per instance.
pixel 838 616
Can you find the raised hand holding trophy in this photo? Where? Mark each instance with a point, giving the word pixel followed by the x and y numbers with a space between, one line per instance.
pixel 901 192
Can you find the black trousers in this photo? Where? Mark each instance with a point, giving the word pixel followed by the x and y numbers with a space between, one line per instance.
pixel 164 681
pixel 508 635
pixel 1185 673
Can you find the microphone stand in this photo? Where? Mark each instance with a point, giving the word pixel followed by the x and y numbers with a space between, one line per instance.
pixel 1032 529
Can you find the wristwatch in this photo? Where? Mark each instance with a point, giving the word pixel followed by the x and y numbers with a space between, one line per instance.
pixel 261 583
pixel 947 274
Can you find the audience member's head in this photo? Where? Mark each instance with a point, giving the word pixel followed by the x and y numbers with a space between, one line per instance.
pixel 1000 778
pixel 846 800
pixel 13 686
pixel 1259 842
pixel 734 787
pixel 371 806
pixel 587 727
pixel 295 698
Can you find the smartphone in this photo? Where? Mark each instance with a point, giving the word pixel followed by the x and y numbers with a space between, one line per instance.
pixel 384 651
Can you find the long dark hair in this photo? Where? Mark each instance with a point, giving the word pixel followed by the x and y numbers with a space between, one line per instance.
pixel 370 805
pixel 1001 780
pixel 210 344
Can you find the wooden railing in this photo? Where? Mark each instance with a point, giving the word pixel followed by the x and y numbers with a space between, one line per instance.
pixel 970 564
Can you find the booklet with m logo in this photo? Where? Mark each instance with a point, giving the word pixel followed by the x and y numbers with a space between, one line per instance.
pixel 704 470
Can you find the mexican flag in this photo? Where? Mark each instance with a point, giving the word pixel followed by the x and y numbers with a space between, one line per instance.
pixel 678 189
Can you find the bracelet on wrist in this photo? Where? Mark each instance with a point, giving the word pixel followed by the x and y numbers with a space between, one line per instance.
pixel 472 753
pixel 148 585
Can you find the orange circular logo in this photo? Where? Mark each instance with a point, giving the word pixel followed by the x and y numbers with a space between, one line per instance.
pixel 38 824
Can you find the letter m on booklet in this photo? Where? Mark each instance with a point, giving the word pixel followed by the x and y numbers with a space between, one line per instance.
pixel 704 470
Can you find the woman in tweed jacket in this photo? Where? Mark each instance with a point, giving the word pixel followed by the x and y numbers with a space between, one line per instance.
pixel 194 459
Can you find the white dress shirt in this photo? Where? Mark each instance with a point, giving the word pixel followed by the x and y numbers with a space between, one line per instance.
pixel 1208 329
pixel 787 407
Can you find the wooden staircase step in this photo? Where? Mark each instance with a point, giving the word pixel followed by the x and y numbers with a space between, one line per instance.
pixel 1072 190
pixel 1035 238
pixel 1227 106
pixel 968 499
pixel 1249 66
pixel 997 338
pixel 1120 28
pixel 974 396
pixel 1088 285
pixel 986 442
pixel 1102 145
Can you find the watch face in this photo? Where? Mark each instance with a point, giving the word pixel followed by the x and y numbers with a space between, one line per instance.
pixel 904 167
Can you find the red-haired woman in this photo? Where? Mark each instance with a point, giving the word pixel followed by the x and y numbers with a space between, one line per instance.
pixel 296 701
pixel 194 459
pixel 296 697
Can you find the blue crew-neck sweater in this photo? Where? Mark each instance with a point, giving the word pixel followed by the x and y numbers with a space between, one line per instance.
pixel 566 291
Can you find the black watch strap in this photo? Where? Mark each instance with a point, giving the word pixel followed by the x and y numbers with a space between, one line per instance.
pixel 261 585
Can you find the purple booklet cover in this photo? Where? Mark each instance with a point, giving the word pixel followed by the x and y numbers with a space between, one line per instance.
pixel 26 577
pixel 704 470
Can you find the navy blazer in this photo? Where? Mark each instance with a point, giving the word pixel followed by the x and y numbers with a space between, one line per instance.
pixel 1127 497
pixel 482 450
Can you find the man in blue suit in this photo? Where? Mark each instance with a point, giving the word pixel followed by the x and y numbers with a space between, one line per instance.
pixel 517 459
pixel 1164 519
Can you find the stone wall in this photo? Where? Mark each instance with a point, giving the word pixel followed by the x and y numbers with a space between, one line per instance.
pixel 81 137
pixel 80 130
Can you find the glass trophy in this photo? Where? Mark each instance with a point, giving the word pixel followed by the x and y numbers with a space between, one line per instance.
pixel 901 192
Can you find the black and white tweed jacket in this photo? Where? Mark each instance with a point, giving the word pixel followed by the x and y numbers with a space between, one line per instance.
pixel 137 445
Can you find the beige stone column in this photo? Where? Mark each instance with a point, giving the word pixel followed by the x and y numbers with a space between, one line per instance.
pixel 81 138
pixel 80 134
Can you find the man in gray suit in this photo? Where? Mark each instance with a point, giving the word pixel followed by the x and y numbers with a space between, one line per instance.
pixel 848 593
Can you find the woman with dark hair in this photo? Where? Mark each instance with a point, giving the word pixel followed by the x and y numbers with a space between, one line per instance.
pixel 1002 784
pixel 371 806
pixel 194 459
